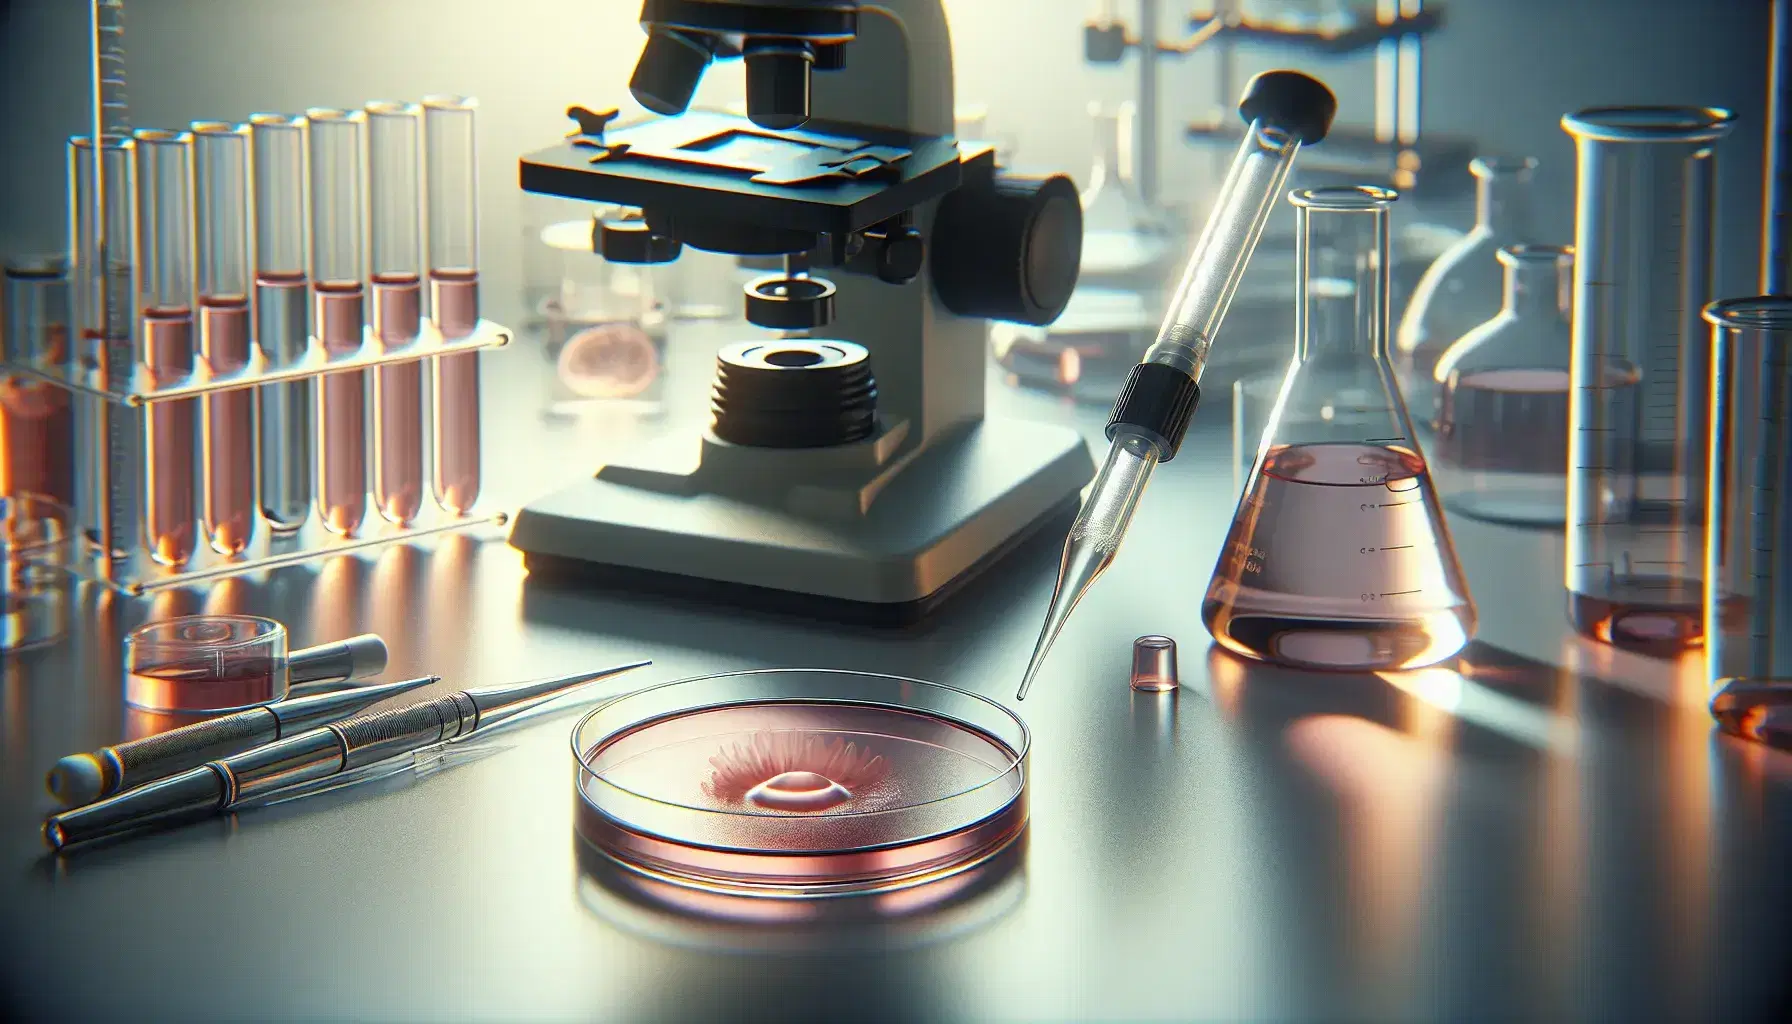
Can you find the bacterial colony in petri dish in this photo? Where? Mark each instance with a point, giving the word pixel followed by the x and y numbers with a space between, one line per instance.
pixel 798 794
pixel 1334 562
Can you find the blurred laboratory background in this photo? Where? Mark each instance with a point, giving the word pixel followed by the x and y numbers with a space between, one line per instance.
pixel 1499 73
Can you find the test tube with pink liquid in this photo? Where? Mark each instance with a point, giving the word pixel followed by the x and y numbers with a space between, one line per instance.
pixel 165 299
pixel 337 152
pixel 227 424
pixel 282 318
pixel 395 199
pixel 451 190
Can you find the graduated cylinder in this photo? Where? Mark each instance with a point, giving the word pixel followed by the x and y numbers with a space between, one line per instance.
pixel 1748 550
pixel 102 201
pixel 1640 372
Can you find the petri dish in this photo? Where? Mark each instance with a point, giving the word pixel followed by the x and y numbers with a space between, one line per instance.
pixel 799 783
pixel 205 663
pixel 935 912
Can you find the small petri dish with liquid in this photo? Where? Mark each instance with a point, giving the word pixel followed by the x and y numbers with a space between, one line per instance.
pixel 800 782
pixel 197 664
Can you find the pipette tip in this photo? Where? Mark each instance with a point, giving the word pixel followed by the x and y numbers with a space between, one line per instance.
pixel 1082 563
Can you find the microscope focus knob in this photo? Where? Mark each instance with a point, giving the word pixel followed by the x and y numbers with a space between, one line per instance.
pixel 1008 248
pixel 898 253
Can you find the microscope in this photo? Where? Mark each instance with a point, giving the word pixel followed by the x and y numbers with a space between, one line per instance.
pixel 848 472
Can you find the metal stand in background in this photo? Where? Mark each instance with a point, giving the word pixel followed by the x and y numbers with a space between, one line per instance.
pixel 1391 151
pixel 1776 193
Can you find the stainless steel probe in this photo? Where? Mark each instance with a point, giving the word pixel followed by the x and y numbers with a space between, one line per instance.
pixel 83 778
pixel 219 786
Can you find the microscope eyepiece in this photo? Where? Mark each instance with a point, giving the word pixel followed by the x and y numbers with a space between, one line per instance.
pixel 671 65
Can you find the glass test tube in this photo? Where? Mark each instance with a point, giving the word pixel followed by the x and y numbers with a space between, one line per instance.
pixel 108 482
pixel 1748 579
pixel 282 318
pixel 37 423
pixel 227 427
pixel 451 183
pixel 395 199
pixel 164 244
pixel 1640 372
pixel 338 139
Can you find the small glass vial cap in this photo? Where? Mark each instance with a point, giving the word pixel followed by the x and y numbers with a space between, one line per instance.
pixel 205 663
pixel 1154 664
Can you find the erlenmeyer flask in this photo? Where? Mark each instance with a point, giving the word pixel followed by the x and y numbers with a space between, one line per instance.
pixel 1122 234
pixel 1338 557
pixel 1462 288
pixel 1502 409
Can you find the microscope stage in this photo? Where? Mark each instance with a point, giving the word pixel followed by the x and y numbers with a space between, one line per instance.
pixel 824 177
pixel 965 501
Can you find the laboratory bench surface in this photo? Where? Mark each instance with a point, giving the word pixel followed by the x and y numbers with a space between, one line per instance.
pixel 1547 829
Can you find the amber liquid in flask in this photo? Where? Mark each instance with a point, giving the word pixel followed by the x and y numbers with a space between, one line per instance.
pixel 1338 557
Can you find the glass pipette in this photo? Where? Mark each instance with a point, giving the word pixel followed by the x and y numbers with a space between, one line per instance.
pixel 1283 111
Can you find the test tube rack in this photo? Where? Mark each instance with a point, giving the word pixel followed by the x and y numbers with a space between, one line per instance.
pixel 135 572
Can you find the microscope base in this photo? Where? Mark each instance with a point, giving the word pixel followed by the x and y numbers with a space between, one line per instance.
pixel 951 513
